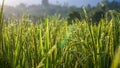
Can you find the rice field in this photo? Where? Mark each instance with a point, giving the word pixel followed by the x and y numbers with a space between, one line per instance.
pixel 53 43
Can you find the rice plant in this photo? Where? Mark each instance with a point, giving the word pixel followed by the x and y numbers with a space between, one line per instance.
pixel 53 43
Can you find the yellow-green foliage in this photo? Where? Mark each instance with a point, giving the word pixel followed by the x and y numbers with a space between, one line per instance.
pixel 1 26
pixel 116 60
pixel 53 43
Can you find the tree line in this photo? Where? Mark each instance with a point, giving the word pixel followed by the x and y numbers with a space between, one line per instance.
pixel 68 12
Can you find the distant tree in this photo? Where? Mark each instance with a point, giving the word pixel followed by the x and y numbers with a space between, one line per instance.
pixel 21 6
pixel 45 2
pixel 20 9
pixel 88 7
pixel 98 16
pixel 99 13
pixel 73 16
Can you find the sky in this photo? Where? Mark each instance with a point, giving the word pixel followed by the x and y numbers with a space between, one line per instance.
pixel 77 3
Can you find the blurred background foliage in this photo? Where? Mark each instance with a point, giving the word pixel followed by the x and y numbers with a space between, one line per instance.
pixel 39 11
